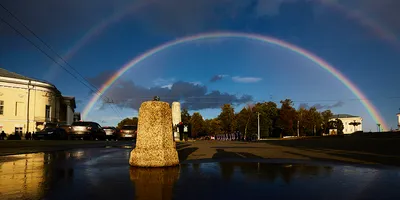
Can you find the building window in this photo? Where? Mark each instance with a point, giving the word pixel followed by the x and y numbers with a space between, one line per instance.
pixel 20 109
pixel 1 107
pixel 18 130
pixel 47 115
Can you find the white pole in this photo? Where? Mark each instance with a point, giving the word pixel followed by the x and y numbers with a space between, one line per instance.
pixel 258 118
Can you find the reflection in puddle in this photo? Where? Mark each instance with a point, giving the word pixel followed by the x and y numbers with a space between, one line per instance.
pixel 93 173
pixel 21 176
pixel 154 183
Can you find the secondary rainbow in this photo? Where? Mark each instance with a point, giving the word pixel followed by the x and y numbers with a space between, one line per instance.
pixel 320 62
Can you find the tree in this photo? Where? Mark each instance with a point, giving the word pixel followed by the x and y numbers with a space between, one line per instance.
pixel 287 117
pixel 213 127
pixel 339 126
pixel 242 119
pixel 185 116
pixel 354 124
pixel 128 121
pixel 197 123
pixel 326 116
pixel 227 119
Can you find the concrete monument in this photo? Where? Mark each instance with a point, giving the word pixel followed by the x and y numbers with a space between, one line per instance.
pixel 154 145
pixel 176 118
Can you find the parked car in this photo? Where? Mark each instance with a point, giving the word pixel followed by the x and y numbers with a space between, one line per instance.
pixel 86 130
pixel 51 133
pixel 127 132
pixel 111 132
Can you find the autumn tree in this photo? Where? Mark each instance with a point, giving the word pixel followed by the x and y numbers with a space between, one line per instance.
pixel 227 118
pixel 185 116
pixel 128 121
pixel 326 116
pixel 197 123
pixel 287 117
pixel 213 127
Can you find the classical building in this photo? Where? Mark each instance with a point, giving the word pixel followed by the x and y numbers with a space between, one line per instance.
pixel 348 123
pixel 26 104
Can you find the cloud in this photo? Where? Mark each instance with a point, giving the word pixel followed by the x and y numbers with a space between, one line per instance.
pixel 192 95
pixel 322 107
pixel 216 78
pixel 240 79
pixel 163 81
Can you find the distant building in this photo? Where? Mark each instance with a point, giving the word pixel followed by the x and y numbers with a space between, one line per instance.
pixel 26 104
pixel 398 121
pixel 347 120
pixel 77 117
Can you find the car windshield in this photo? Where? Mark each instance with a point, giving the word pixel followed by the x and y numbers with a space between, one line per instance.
pixel 108 128
pixel 81 124
pixel 50 125
pixel 129 127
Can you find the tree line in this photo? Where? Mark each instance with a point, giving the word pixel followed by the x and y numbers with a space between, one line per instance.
pixel 274 121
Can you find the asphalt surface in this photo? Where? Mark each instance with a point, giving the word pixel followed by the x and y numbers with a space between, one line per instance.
pixel 208 170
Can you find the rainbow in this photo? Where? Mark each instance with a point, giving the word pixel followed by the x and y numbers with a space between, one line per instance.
pixel 375 27
pixel 320 62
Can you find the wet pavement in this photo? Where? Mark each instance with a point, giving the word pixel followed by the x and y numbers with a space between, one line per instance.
pixel 104 173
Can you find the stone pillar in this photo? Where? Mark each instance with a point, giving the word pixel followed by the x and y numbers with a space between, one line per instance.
pixel 70 114
pixel 154 145
pixel 176 118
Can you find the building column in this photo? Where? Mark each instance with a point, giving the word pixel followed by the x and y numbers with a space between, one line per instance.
pixel 70 114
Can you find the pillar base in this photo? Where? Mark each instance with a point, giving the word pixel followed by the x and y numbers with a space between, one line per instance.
pixel 154 158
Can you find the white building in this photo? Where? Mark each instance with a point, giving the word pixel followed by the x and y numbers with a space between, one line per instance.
pixel 26 104
pixel 398 121
pixel 347 120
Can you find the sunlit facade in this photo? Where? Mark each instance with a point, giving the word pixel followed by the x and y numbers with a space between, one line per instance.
pixel 348 121
pixel 27 104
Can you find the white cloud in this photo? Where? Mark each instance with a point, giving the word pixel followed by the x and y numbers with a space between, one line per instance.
pixel 196 83
pixel 240 79
pixel 162 82
pixel 169 86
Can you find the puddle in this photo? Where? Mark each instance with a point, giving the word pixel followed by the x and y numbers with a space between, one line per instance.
pixel 104 173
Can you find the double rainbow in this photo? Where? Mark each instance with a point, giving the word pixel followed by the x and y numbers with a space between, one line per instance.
pixel 320 62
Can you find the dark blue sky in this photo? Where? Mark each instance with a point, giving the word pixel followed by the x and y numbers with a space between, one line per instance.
pixel 359 38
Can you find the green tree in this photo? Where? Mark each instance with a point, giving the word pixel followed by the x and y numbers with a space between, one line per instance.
pixel 197 123
pixel 128 121
pixel 287 117
pixel 268 115
pixel 242 119
pixel 227 118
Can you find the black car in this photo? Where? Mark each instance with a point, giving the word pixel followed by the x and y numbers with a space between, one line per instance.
pixel 51 133
pixel 86 130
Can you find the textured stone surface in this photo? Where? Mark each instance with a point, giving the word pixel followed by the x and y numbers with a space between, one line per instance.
pixel 154 145
pixel 176 118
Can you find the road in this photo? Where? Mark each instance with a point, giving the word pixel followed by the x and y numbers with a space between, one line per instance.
pixel 348 150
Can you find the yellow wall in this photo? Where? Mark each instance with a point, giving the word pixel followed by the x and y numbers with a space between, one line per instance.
pixel 39 98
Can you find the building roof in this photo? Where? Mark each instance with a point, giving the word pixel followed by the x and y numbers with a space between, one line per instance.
pixel 8 74
pixel 343 116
